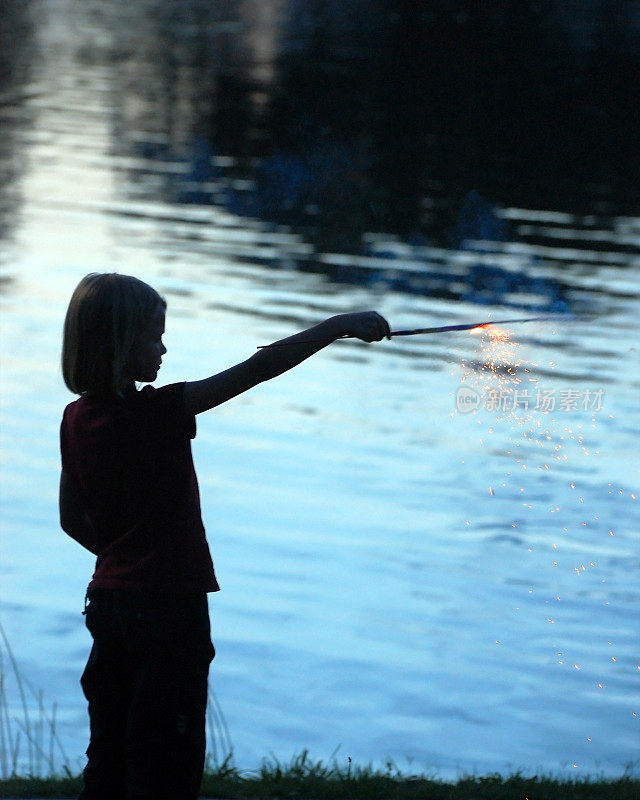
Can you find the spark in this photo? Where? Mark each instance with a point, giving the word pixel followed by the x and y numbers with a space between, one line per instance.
pixel 495 333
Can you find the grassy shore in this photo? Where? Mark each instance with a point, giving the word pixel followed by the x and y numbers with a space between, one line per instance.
pixel 304 779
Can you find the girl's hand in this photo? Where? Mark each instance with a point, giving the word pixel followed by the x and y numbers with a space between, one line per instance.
pixel 367 325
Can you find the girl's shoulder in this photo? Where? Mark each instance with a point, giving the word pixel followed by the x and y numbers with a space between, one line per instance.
pixel 167 399
pixel 171 392
pixel 148 395
pixel 148 406
pixel 161 408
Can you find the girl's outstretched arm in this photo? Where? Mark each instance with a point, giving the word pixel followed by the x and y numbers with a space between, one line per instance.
pixel 272 361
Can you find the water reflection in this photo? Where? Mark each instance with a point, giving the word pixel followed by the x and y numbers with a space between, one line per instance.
pixel 18 49
pixel 356 117
pixel 299 119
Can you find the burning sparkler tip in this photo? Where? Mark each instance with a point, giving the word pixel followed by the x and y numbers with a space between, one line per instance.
pixel 495 333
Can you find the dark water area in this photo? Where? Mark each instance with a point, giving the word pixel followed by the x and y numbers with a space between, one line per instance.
pixel 351 117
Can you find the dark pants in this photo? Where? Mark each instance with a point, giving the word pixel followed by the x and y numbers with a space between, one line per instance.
pixel 146 684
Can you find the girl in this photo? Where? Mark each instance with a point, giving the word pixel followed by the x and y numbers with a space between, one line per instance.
pixel 129 494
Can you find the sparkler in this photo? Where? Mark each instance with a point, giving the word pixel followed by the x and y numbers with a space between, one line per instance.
pixel 465 327
pixel 472 326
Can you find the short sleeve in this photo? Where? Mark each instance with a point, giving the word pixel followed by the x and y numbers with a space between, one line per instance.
pixel 166 406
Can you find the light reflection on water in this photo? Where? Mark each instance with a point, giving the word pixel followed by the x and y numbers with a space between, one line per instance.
pixel 399 579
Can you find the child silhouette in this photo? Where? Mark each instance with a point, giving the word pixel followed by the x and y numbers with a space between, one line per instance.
pixel 129 494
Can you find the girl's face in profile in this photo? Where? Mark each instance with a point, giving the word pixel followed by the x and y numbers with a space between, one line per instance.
pixel 147 351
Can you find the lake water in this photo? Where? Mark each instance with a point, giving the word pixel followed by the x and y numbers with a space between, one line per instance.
pixel 411 569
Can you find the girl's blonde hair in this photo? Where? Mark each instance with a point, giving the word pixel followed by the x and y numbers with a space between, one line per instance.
pixel 106 313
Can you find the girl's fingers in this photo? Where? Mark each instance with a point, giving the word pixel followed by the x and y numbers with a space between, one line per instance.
pixel 373 327
pixel 383 327
pixel 386 328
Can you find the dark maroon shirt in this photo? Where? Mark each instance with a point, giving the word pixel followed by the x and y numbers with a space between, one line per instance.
pixel 130 458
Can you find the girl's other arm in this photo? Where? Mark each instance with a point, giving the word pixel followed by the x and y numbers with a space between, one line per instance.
pixel 73 517
pixel 272 361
